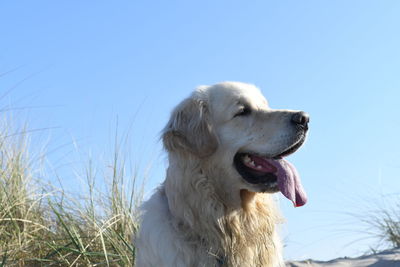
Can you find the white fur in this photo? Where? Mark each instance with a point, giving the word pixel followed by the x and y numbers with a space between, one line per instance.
pixel 205 213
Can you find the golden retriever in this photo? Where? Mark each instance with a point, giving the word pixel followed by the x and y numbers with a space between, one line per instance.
pixel 225 149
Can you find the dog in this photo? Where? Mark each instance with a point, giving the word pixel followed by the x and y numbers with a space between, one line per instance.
pixel 226 150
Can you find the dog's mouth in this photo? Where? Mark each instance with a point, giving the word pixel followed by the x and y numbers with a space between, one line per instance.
pixel 272 173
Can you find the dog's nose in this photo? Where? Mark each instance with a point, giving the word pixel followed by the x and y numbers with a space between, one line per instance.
pixel 301 118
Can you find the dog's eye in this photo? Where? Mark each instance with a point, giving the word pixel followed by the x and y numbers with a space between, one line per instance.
pixel 243 112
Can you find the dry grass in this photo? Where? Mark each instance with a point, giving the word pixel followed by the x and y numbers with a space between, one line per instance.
pixel 41 225
pixel 378 223
pixel 386 225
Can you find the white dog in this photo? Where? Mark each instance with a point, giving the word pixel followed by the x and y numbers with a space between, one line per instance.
pixel 226 149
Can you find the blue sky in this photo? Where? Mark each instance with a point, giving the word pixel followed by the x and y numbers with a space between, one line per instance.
pixel 79 65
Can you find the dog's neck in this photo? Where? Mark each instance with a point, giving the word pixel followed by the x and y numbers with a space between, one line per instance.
pixel 231 227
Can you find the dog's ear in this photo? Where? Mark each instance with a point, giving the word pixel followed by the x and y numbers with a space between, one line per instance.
pixel 190 129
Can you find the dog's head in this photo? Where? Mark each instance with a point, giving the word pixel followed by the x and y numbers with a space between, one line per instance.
pixel 231 126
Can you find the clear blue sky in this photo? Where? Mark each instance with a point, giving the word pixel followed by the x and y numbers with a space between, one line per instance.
pixel 87 62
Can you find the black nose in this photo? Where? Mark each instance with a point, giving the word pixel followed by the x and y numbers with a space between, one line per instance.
pixel 301 118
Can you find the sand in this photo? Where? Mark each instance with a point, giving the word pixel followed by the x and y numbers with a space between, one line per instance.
pixel 387 258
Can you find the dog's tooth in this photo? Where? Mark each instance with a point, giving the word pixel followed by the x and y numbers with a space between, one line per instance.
pixel 258 167
pixel 252 163
pixel 246 159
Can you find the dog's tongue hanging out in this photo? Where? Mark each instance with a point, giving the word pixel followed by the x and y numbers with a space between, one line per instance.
pixel 289 182
pixel 288 178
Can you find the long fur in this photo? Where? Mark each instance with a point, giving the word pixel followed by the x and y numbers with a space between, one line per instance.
pixel 193 219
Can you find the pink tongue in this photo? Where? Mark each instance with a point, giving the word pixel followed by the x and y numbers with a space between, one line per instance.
pixel 289 182
pixel 288 179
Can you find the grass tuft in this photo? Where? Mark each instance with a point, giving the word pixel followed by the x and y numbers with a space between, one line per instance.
pixel 387 225
pixel 41 225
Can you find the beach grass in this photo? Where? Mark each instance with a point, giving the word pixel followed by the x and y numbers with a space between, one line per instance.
pixel 44 225
pixel 385 224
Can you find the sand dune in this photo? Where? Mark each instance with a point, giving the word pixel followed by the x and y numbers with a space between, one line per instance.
pixel 388 258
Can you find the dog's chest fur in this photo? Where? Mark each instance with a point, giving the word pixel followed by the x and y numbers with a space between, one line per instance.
pixel 193 227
